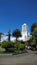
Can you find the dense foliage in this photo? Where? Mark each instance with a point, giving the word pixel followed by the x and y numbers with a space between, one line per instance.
pixel 34 34
pixel 33 27
pixel 6 44
pixel 13 46
pixel 19 45
pixel 16 33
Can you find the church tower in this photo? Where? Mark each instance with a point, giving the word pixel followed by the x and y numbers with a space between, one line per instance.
pixel 24 28
pixel 24 31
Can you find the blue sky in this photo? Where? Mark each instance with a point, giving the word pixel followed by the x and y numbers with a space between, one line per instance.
pixel 13 13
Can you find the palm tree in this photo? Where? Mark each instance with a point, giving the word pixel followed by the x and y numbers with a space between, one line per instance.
pixel 16 33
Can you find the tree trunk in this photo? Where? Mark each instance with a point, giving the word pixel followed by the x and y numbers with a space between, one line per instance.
pixel 16 39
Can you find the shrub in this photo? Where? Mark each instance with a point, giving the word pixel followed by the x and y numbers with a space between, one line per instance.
pixel 10 46
pixel 33 43
pixel 19 45
pixel 6 44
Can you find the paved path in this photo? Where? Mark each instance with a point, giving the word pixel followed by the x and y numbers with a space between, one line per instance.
pixel 21 59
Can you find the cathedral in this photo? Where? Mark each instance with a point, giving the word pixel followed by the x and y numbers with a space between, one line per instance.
pixel 25 35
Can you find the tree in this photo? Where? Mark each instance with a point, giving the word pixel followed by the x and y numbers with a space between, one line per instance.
pixel 1 35
pixel 8 34
pixel 16 33
pixel 34 33
pixel 33 27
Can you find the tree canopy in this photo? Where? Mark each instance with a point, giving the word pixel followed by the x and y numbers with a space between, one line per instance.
pixel 34 33
pixel 16 33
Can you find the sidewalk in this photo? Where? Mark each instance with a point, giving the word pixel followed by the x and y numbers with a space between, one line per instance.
pixel 19 59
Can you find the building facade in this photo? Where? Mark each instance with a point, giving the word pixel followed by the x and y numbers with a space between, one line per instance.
pixel 25 35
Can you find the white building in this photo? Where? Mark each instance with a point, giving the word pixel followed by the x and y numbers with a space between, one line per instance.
pixel 24 31
pixel 25 34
